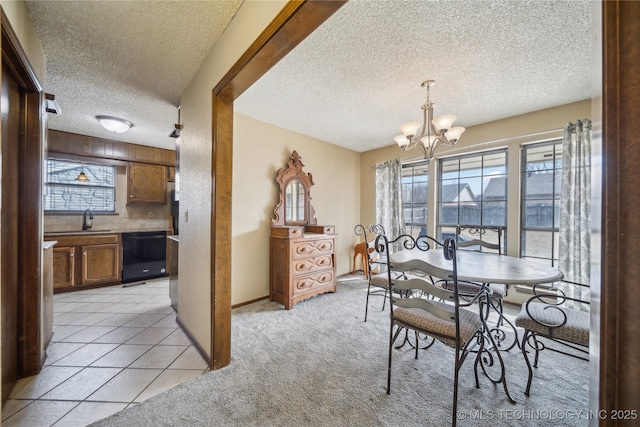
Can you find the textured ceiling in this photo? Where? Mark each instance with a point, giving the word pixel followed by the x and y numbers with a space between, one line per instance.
pixel 361 70
pixel 129 59
pixel 357 77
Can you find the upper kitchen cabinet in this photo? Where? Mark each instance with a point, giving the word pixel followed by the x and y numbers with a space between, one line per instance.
pixel 146 184
pixel 87 146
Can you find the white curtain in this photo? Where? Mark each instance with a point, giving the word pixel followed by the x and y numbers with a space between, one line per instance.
pixel 575 211
pixel 389 211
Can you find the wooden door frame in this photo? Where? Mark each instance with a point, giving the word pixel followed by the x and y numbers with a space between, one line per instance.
pixel 33 123
pixel 617 333
pixel 293 24
pixel 619 295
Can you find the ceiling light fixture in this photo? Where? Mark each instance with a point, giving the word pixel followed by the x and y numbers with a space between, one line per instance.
pixel 114 124
pixel 434 132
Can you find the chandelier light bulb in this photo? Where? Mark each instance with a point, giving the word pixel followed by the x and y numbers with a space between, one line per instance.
pixel 453 134
pixel 428 141
pixel 402 141
pixel 444 123
pixel 409 129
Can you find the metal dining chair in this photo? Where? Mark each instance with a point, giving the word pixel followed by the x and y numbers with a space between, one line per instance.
pixel 546 315
pixel 483 238
pixel 418 305
pixel 378 282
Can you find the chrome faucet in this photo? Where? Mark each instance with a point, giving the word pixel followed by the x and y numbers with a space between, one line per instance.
pixel 86 226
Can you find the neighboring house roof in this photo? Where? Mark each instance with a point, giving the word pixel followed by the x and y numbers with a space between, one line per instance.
pixel 457 192
pixel 538 185
pixel 496 189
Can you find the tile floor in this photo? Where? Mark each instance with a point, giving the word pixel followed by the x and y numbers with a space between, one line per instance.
pixel 112 347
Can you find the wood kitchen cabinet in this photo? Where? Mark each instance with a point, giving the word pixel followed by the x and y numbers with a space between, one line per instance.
pixel 146 184
pixel 100 263
pixel 86 260
pixel 63 266
pixel 83 145
pixel 46 314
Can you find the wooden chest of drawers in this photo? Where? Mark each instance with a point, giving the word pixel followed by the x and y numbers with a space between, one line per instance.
pixel 303 263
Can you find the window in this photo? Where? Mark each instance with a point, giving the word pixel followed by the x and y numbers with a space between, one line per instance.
pixel 472 191
pixel 415 185
pixel 64 194
pixel 540 204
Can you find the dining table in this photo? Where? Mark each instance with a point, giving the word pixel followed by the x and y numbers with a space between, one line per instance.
pixel 486 268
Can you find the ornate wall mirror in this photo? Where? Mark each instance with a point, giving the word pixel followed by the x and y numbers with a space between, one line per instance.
pixel 294 207
pixel 294 202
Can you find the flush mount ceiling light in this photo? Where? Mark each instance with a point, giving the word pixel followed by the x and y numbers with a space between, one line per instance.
pixel 114 124
pixel 434 132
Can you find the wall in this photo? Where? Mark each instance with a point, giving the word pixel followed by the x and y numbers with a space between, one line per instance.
pixel 260 149
pixel 195 166
pixel 510 132
pixel 127 217
pixel 18 15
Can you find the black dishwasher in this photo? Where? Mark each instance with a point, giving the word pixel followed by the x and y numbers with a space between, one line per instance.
pixel 144 255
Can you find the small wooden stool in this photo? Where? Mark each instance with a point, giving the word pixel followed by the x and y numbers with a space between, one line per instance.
pixel 360 250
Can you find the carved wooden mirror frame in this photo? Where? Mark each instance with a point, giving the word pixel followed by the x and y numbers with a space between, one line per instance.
pixel 293 173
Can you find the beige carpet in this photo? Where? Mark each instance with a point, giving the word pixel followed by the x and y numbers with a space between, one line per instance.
pixel 321 365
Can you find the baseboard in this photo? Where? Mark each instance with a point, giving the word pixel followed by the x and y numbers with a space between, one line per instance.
pixel 194 342
pixel 248 302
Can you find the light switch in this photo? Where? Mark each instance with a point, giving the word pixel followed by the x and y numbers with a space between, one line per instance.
pixel 186 215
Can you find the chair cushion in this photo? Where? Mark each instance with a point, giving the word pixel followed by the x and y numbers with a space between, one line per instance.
pixel 576 330
pixel 499 291
pixel 381 280
pixel 470 322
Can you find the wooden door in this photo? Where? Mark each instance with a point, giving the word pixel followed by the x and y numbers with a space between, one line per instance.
pixel 10 108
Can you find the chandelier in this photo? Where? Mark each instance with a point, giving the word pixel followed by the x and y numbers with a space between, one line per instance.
pixel 434 132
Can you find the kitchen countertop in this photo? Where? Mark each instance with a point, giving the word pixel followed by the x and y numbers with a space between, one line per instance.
pixel 98 231
pixel 49 244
